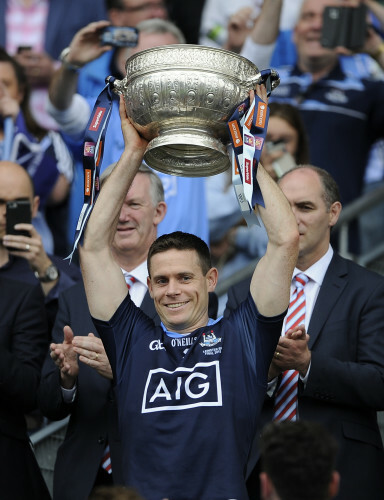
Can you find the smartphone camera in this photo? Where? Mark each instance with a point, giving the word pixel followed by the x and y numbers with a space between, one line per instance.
pixel 344 27
pixel 119 36
pixel 285 162
pixel 18 211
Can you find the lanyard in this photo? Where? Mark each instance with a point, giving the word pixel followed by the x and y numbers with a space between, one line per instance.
pixel 247 130
pixel 94 140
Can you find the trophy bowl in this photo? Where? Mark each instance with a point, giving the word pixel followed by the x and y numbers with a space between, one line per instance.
pixel 180 97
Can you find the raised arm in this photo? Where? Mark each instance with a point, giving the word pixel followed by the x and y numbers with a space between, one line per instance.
pixel 104 283
pixel 85 47
pixel 270 285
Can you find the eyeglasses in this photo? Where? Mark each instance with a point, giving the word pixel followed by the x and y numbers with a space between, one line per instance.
pixel 144 6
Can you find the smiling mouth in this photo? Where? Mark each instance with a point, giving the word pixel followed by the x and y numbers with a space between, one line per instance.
pixel 176 305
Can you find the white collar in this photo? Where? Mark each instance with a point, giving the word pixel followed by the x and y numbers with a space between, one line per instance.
pixel 317 271
pixel 140 273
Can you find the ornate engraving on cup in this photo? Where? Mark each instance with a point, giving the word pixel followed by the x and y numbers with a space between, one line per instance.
pixel 180 97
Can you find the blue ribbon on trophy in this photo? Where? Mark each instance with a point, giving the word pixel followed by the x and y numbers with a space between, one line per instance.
pixel 93 149
pixel 247 130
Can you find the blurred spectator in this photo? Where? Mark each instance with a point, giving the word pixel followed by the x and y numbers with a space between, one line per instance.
pixel 23 345
pixel 298 462
pixel 36 31
pixel 187 16
pixel 227 24
pixel 41 152
pixel 23 258
pixel 330 101
pixel 73 111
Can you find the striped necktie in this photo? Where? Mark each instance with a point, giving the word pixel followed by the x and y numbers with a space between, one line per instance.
pixel 285 407
pixel 130 280
pixel 106 461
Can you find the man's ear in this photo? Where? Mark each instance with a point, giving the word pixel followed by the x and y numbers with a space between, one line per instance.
pixel 266 487
pixel 35 206
pixel 334 213
pixel 161 210
pixel 149 285
pixel 212 276
pixel 334 484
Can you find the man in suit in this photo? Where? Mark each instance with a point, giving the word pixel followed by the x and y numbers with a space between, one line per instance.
pixel 23 344
pixel 341 362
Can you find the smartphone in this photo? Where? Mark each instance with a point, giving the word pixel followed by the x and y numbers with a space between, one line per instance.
pixel 344 27
pixel 283 164
pixel 18 211
pixel 23 48
pixel 119 36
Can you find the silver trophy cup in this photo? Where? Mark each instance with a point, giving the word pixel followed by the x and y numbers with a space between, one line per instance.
pixel 179 97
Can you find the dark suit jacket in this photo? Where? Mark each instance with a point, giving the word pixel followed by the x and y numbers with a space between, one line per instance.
pixel 345 386
pixel 23 344
pixel 65 18
pixel 93 414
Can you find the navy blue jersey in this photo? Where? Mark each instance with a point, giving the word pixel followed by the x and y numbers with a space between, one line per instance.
pixel 188 406
pixel 343 116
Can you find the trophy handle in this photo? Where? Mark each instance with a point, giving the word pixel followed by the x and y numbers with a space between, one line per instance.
pixel 263 76
pixel 117 85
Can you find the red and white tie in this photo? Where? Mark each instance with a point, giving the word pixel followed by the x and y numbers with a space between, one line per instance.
pixel 130 280
pixel 106 461
pixel 285 407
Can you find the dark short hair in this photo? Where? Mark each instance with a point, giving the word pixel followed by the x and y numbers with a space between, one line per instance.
pixel 331 192
pixel 299 458
pixel 181 241
pixel 292 116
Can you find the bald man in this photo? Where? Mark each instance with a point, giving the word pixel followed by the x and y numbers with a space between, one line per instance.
pixel 23 258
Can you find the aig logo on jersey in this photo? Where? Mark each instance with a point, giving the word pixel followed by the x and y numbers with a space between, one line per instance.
pixel 183 388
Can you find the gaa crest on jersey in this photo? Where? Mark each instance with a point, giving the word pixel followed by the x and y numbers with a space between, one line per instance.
pixel 183 388
pixel 209 339
pixel 336 96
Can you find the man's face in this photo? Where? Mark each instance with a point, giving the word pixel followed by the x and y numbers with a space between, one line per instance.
pixel 307 32
pixel 304 192
pixel 8 82
pixel 14 185
pixel 136 228
pixel 180 290
pixel 136 11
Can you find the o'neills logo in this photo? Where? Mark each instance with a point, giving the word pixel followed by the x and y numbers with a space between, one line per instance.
pixel 99 113
pixel 235 133
pixel 87 181
pixel 247 171
pixel 261 114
